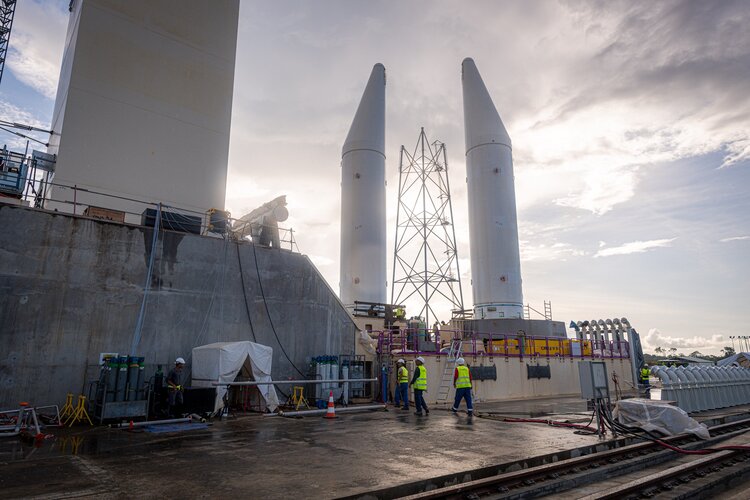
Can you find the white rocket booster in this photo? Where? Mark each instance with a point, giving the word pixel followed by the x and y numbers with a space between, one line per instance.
pixel 363 223
pixel 493 225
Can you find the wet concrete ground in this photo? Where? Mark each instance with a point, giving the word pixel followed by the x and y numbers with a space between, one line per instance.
pixel 261 457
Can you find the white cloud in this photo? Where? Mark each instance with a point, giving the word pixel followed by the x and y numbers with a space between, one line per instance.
pixel 737 151
pixel 12 113
pixel 634 247
pixel 734 238
pixel 654 338
pixel 321 260
pixel 545 252
pixel 37 44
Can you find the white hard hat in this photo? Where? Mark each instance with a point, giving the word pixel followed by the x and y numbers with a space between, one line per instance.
pixel 461 361
pixel 179 361
pixel 401 361
pixel 420 359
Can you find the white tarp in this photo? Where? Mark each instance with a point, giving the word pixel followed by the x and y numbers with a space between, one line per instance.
pixel 655 415
pixel 222 361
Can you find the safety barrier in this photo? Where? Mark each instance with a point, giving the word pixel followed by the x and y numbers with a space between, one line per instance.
pixel 701 388
pixel 426 342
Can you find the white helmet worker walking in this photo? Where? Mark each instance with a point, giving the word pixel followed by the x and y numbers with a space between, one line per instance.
pixel 419 381
pixel 462 383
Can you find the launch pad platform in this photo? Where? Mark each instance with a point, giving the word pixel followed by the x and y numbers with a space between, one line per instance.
pixel 312 457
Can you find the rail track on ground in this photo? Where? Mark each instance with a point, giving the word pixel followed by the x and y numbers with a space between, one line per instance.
pixel 701 475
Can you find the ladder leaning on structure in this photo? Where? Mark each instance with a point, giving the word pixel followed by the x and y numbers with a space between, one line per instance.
pixel 446 380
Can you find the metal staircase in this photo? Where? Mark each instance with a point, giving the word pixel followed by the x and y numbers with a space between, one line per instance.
pixel 446 380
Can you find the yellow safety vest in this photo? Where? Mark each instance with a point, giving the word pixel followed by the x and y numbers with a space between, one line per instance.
pixel 645 372
pixel 421 383
pixel 463 380
pixel 403 375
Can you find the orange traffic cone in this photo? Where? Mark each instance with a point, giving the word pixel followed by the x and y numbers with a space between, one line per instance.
pixel 331 413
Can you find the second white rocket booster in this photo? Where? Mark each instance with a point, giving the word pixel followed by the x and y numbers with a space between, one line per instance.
pixel 493 225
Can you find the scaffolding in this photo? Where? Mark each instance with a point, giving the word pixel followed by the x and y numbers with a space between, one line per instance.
pixel 425 264
pixel 7 11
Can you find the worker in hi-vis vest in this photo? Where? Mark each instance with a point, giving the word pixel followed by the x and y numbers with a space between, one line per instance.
pixel 419 381
pixel 462 383
pixel 399 313
pixel 402 385
pixel 645 373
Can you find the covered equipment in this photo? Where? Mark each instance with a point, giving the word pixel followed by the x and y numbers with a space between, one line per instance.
pixel 222 361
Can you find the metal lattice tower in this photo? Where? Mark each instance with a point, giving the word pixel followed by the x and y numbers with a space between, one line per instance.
pixel 425 264
pixel 7 11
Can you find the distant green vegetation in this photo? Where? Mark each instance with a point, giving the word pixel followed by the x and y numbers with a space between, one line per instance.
pixel 663 355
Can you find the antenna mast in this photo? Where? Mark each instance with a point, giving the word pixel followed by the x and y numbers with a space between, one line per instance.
pixel 425 264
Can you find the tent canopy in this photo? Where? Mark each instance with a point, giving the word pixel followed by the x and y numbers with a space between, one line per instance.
pixel 222 361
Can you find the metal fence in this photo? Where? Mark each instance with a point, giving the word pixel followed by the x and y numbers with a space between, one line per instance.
pixel 40 193
pixel 429 343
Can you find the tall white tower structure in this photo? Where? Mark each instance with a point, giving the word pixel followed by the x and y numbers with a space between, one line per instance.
pixel 144 104
pixel 493 225
pixel 363 224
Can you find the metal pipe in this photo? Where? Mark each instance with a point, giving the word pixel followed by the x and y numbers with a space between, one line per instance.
pixel 305 413
pixel 275 382
pixel 153 422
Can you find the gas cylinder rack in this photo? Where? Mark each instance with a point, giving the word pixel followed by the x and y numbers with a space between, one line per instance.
pixel 122 391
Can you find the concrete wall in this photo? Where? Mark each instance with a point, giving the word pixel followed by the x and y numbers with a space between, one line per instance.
pixel 512 378
pixel 71 288
pixel 144 102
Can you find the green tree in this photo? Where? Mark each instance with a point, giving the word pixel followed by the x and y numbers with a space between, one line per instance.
pixel 727 351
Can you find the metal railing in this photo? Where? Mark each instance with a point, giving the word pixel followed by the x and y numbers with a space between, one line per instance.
pixel 13 169
pixel 425 342
pixel 178 218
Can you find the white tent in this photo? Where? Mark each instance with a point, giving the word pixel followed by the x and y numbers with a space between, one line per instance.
pixel 222 361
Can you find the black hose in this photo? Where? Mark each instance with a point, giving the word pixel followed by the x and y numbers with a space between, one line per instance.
pixel 244 294
pixel 268 313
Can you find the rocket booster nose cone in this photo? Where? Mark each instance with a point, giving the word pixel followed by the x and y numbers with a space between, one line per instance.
pixel 368 127
pixel 482 123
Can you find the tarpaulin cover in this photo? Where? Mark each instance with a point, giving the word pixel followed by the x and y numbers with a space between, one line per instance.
pixel 654 415
pixel 222 361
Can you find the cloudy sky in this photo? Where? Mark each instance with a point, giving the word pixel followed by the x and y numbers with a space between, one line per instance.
pixel 630 124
